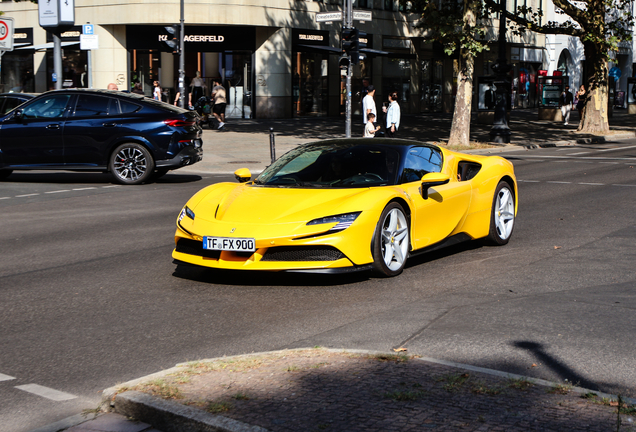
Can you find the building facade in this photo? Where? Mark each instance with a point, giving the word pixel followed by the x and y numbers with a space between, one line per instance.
pixel 266 53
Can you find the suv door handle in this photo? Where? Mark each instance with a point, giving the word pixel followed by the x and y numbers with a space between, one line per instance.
pixel 109 124
pixel 53 126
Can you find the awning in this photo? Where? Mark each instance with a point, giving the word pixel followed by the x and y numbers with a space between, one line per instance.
pixel 45 46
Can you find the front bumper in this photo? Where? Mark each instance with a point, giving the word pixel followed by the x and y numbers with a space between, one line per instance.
pixel 187 156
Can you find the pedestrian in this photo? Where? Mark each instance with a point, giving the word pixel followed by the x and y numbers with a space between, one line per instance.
pixel 156 92
pixel 220 102
pixel 112 86
pixel 580 97
pixel 393 115
pixel 137 89
pixel 197 88
pixel 370 128
pixel 368 104
pixel 365 90
pixel 565 102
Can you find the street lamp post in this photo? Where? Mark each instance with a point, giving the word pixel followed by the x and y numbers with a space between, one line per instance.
pixel 182 58
pixel 500 132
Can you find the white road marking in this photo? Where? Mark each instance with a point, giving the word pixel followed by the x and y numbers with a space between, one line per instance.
pixel 86 188
pixel 1 198
pixel 58 191
pixel 579 153
pixel 111 186
pixel 611 163
pixel 27 195
pixel 530 181
pixel 593 184
pixel 624 185
pixel 4 377
pixel 617 148
pixel 559 182
pixel 46 392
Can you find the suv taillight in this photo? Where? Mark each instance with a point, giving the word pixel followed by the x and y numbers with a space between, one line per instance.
pixel 179 123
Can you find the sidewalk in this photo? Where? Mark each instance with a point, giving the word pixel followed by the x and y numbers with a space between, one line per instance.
pixel 346 390
pixel 246 143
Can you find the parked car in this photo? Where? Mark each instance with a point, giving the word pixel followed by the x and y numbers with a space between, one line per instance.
pixel 346 205
pixel 132 137
pixel 8 101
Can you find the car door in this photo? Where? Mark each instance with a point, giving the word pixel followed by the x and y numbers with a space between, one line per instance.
pixel 33 135
pixel 436 217
pixel 90 127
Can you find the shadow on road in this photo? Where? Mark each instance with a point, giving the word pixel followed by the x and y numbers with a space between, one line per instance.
pixel 68 177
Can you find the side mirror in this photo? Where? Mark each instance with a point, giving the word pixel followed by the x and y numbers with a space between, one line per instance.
pixel 18 114
pixel 433 179
pixel 243 175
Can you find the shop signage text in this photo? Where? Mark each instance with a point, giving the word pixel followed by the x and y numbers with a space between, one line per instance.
pixel 197 38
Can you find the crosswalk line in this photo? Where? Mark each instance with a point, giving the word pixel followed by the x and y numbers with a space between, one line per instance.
pixel 4 377
pixel 46 392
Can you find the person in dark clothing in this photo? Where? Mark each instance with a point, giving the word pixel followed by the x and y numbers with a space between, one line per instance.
pixel 565 102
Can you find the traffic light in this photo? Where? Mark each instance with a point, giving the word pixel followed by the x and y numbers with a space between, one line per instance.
pixel 358 42
pixel 175 42
pixel 347 39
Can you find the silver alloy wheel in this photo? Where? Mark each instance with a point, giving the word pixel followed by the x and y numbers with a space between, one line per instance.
pixel 395 241
pixel 504 213
pixel 130 164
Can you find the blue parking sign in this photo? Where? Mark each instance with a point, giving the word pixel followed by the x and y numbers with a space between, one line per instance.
pixel 87 29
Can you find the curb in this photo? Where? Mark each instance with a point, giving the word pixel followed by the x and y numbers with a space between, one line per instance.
pixel 171 416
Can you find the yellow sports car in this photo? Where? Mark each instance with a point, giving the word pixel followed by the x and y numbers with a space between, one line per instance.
pixel 348 204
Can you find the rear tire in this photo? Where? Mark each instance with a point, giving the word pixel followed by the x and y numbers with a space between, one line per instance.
pixel 5 173
pixel 131 164
pixel 391 241
pixel 502 216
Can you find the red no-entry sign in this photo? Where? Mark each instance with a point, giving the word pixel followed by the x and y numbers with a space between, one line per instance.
pixel 6 34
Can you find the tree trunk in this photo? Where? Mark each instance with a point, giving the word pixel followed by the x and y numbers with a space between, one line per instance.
pixel 595 116
pixel 460 128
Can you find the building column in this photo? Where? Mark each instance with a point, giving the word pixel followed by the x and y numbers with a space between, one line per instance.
pixel 110 61
pixel 272 69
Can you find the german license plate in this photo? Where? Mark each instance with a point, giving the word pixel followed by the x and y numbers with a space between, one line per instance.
pixel 229 244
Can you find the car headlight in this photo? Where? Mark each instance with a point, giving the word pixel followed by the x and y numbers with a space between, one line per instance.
pixel 186 212
pixel 342 221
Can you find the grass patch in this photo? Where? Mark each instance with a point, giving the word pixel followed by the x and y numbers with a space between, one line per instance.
pixel 561 389
pixel 292 368
pixel 397 358
pixel 241 396
pixel 589 395
pixel 218 407
pixel 519 383
pixel 479 387
pixel 453 381
pixel 404 396
pixel 161 388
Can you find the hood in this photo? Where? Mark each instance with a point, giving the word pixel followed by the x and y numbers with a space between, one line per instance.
pixel 257 204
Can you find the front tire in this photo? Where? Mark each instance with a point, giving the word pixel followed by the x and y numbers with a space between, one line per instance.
pixel 391 241
pixel 131 164
pixel 502 216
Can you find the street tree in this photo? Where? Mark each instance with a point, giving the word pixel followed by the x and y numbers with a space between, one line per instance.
pixel 458 27
pixel 600 25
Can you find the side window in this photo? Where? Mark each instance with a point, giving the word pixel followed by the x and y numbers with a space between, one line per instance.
pixel 92 106
pixel 128 107
pixel 11 103
pixel 53 106
pixel 420 161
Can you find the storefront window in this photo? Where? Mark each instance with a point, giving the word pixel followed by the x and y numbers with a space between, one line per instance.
pixel 309 84
pixel 145 69
pixel 74 68
pixel 238 81
pixel 431 87
pixel 396 76
pixel 17 72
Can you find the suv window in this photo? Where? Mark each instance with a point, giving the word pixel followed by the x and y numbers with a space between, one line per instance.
pixel 52 106
pixel 94 106
pixel 420 161
pixel 128 107
pixel 10 103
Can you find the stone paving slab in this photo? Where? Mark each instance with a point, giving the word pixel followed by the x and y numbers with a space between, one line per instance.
pixel 336 390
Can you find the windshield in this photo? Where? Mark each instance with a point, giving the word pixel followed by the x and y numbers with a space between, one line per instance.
pixel 342 165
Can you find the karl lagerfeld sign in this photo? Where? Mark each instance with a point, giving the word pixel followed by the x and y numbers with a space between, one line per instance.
pixel 197 38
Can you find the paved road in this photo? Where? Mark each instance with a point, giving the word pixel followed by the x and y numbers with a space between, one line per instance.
pixel 89 297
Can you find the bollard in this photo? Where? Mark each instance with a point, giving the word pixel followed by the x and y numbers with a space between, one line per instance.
pixel 272 145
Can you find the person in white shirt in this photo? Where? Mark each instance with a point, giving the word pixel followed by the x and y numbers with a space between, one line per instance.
pixel 393 115
pixel 368 104
pixel 370 129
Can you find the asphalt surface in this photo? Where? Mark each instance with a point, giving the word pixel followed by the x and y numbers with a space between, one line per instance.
pixel 90 298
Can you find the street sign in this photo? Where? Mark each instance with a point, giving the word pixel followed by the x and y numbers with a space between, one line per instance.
pixel 89 42
pixel 328 16
pixel 6 34
pixel 56 13
pixel 88 29
pixel 358 15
